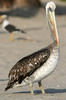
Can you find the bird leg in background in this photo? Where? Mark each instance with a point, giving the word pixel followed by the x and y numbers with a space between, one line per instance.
pixel 41 88
pixel 11 36
pixel 31 86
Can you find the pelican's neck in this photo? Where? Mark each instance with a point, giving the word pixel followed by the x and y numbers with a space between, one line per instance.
pixel 53 28
pixel 5 23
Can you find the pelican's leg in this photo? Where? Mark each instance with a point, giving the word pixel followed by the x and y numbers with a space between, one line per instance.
pixel 41 88
pixel 11 36
pixel 31 86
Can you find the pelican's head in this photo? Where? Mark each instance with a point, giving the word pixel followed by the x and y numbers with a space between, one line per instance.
pixel 50 13
pixel 50 6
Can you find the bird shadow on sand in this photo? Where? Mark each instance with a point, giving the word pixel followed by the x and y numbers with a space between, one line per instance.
pixel 33 28
pixel 3 80
pixel 47 91
pixel 54 91
pixel 3 32
pixel 27 39
pixel 22 38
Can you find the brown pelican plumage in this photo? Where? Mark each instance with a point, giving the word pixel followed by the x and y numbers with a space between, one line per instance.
pixel 9 27
pixel 37 66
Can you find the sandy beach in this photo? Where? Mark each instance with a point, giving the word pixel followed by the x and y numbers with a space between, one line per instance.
pixel 37 28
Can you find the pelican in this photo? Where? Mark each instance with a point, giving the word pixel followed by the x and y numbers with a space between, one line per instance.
pixel 37 66
pixel 9 27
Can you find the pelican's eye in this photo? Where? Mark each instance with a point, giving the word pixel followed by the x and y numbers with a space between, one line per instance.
pixel 50 9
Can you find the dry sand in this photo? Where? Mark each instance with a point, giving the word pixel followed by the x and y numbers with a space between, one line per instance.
pixel 10 52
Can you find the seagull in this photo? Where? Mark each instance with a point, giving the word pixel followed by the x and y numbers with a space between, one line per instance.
pixel 9 27
pixel 37 66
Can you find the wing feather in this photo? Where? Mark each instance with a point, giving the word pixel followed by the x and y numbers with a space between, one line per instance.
pixel 12 28
pixel 26 66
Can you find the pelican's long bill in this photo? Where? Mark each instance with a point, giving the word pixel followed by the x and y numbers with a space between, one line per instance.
pixel 52 23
